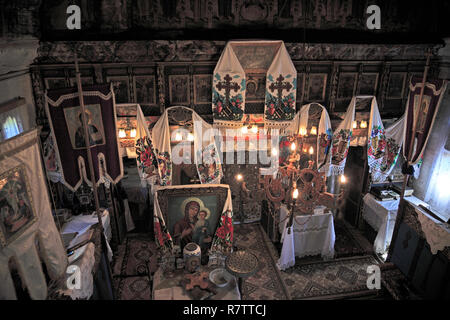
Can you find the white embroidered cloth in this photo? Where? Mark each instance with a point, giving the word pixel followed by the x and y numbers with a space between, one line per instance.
pixel 308 236
pixel 381 215
pixel 86 264
pixel 436 233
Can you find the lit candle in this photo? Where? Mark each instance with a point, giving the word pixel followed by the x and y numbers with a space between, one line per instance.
pixel 295 194
pixel 293 146
pixel 122 133
pixel 178 137
pixel 311 150
pixel 343 179
pixel 302 131
pixel 274 152
pixel 133 133
pixel 255 129
pixel 190 137
pixel 244 129
pixel 355 124
pixel 363 124
pixel 313 130
pixel 239 177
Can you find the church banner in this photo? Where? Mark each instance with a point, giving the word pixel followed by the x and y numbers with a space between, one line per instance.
pixel 422 115
pixel 65 118
pixel 27 230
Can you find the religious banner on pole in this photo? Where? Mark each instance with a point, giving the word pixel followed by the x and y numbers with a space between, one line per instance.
pixel 423 115
pixel 65 118
pixel 28 233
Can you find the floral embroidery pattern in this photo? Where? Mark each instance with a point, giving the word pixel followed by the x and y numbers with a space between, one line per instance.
pixel 377 143
pixel 340 144
pixel 286 110
pixel 145 157
pixel 210 169
pixel 165 168
pixel 230 105
pixel 162 237
pixel 223 239
pixel 280 98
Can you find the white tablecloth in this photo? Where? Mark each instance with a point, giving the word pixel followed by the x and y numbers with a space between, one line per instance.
pixel 309 235
pixel 85 264
pixel 381 215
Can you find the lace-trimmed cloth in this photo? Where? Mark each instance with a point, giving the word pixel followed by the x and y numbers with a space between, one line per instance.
pixel 436 233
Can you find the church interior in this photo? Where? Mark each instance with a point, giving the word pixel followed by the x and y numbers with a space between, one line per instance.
pixel 224 150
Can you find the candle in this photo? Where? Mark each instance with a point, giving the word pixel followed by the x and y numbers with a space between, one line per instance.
pixel 363 124
pixel 302 131
pixel 295 194
pixel 274 152
pixel 178 137
pixel 293 146
pixel 190 137
pixel 239 177
pixel 244 129
pixel 311 150
pixel 255 129
pixel 313 130
pixel 122 133
pixel 133 133
pixel 343 179
pixel 355 124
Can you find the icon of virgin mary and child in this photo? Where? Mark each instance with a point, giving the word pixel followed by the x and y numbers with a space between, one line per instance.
pixel 194 226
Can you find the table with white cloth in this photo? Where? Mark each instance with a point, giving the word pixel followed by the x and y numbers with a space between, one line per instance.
pixel 381 215
pixel 309 235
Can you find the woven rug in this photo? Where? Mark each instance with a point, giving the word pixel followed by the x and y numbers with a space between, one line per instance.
pixel 349 241
pixel 266 284
pixel 135 262
pixel 337 279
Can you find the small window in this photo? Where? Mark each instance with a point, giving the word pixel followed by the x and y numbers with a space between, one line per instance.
pixel 11 127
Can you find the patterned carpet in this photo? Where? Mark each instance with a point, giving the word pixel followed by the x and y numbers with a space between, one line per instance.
pixel 337 279
pixel 311 278
pixel 135 262
pixel 266 284
pixel 350 242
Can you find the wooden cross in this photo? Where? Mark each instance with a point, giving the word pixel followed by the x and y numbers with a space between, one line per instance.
pixel 228 85
pixel 279 85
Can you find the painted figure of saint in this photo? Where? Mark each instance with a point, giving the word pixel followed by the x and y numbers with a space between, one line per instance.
pixel 95 136
pixel 183 228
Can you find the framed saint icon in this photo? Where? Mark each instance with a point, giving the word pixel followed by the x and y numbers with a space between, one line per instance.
pixel 94 122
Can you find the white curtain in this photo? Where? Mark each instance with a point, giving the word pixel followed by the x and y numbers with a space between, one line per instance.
pixel 438 193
